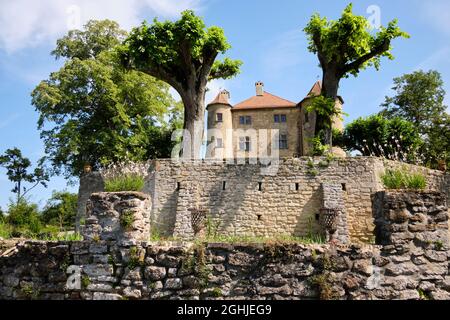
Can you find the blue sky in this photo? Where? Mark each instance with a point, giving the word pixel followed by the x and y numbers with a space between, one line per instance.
pixel 266 35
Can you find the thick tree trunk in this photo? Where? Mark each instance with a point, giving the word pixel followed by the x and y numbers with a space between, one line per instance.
pixel 194 118
pixel 330 87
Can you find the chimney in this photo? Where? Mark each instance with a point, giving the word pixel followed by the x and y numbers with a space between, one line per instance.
pixel 259 88
pixel 225 95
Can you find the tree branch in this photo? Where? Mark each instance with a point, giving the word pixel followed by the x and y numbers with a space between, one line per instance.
pixel 159 72
pixel 383 47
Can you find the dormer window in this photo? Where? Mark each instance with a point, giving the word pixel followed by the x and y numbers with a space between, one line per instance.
pixel 219 117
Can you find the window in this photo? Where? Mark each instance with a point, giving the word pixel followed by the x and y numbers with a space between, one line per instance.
pixel 280 118
pixel 306 117
pixel 244 144
pixel 245 120
pixel 219 143
pixel 283 142
pixel 219 117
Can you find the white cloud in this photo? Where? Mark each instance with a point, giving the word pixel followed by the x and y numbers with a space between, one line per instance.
pixel 28 23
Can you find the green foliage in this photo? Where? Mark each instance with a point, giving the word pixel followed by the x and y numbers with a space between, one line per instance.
pixel 325 108
pixel 126 182
pixel 93 111
pixel 17 168
pixel 310 238
pixel 318 148
pixel 30 292
pixel 61 210
pixel 85 281
pixel 382 137
pixel 175 47
pixel 127 219
pixel 419 98
pixel 5 230
pixel 349 42
pixel 135 258
pixel 24 219
pixel 182 53
pixel 402 179
pixel 345 47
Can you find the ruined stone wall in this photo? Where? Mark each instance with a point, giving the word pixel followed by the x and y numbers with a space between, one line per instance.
pixel 288 203
pixel 247 202
pixel 412 264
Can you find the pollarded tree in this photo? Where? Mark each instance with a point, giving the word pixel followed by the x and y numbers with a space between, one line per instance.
pixel 345 47
pixel 183 54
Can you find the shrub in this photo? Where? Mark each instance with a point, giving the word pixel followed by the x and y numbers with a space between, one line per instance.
pixel 24 219
pixel 127 219
pixel 130 182
pixel 5 230
pixel 401 179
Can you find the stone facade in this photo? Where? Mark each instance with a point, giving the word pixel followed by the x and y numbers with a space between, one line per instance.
pixel 263 131
pixel 263 119
pixel 288 203
pixel 412 264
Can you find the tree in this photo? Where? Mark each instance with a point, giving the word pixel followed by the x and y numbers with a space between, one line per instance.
pixel 375 135
pixel 345 47
pixel 419 98
pixel 18 172
pixel 61 210
pixel 24 218
pixel 183 54
pixel 93 111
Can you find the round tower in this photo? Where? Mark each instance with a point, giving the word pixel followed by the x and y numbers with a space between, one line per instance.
pixel 220 127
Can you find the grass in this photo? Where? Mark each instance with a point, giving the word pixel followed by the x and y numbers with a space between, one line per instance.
pixel 131 182
pixel 312 239
pixel 64 237
pixel 401 179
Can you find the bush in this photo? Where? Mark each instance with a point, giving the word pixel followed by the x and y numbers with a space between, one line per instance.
pixel 61 210
pixel 401 179
pixel 24 218
pixel 5 230
pixel 131 182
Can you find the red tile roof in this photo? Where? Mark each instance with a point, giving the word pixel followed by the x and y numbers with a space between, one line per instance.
pixel 315 91
pixel 221 98
pixel 266 101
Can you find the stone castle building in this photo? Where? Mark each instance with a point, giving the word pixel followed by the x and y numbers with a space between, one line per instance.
pixel 234 131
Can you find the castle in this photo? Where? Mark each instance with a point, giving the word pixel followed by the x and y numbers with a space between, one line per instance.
pixel 236 131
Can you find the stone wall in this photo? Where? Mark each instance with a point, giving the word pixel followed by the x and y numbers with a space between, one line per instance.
pixel 248 202
pixel 89 183
pixel 118 216
pixel 412 264
pixel 288 203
